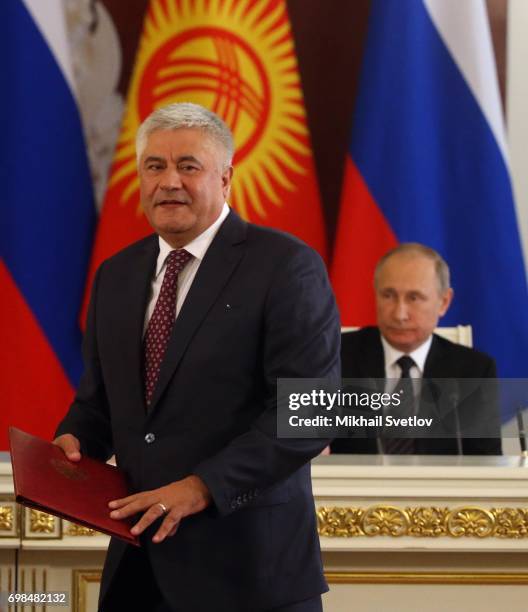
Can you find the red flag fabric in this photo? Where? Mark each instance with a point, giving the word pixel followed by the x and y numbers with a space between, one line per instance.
pixel 363 236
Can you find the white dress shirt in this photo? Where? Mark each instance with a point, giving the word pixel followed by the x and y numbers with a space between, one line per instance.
pixel 393 370
pixel 197 248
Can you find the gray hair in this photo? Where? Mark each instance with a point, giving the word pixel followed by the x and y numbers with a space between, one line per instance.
pixel 186 115
pixel 441 267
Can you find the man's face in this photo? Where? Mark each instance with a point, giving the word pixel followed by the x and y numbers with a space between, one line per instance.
pixel 409 301
pixel 183 184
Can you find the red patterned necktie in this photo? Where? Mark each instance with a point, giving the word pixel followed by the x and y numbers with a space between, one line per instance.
pixel 162 320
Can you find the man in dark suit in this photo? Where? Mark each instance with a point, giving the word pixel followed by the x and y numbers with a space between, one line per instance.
pixel 181 386
pixel 412 292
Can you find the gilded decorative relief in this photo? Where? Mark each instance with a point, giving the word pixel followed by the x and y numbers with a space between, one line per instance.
pixel 512 522
pixel 7 518
pixel 384 520
pixel 38 525
pixel 422 522
pixel 41 522
pixel 427 522
pixel 80 530
pixel 340 522
pixel 470 522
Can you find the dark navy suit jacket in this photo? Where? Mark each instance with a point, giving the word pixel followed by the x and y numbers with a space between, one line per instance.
pixel 475 409
pixel 260 308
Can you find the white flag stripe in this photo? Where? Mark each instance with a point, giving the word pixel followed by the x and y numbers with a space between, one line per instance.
pixel 49 18
pixel 464 28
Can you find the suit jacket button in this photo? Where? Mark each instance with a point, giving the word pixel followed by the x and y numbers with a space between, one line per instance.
pixel 149 438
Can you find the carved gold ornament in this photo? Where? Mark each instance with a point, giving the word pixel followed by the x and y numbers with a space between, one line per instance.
pixel 384 520
pixel 470 522
pixel 7 518
pixel 41 522
pixel 80 530
pixel 422 522
pixel 512 522
pixel 339 522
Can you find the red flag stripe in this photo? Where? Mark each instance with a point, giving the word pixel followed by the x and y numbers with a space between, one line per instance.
pixel 363 236
pixel 34 384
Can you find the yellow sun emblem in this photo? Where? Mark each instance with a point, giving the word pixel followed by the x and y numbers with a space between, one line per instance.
pixel 237 58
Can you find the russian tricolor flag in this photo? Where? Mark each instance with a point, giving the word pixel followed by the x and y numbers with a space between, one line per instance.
pixel 47 218
pixel 428 163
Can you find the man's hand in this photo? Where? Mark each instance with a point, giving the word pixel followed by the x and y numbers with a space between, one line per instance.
pixel 176 500
pixel 70 445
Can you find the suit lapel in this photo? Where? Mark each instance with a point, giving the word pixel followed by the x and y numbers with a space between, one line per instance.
pixel 374 362
pixel 433 364
pixel 133 294
pixel 218 265
pixel 368 365
pixel 432 390
pixel 371 368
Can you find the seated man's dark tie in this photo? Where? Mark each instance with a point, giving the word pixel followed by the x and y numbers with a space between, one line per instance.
pixel 403 446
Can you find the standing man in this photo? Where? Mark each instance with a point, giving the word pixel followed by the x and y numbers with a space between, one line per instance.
pixel 188 331
pixel 413 291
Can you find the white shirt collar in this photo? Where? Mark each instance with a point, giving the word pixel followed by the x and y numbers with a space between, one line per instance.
pixel 198 246
pixel 419 355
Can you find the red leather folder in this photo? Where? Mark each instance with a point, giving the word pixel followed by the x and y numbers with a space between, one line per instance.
pixel 77 491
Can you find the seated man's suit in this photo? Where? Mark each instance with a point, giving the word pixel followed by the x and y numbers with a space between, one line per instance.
pixel 475 408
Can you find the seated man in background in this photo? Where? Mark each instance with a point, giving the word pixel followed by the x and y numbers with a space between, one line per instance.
pixel 412 292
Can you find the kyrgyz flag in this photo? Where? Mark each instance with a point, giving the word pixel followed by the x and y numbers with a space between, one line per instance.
pixel 237 58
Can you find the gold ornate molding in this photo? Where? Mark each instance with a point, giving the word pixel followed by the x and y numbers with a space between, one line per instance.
pixel 84 597
pixel 40 525
pixel 40 522
pixel 505 578
pixel 422 522
pixel 9 517
pixel 79 530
